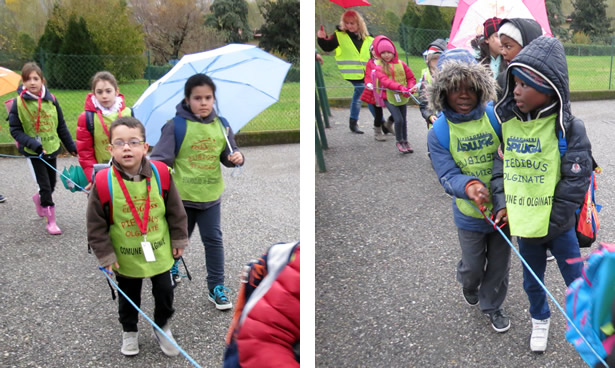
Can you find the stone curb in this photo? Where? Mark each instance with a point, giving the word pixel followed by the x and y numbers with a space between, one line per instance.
pixel 574 96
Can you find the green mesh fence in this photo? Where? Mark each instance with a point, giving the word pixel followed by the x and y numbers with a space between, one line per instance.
pixel 68 78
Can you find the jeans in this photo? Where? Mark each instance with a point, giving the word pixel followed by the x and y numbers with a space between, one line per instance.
pixel 211 236
pixel 355 106
pixel 401 124
pixel 563 247
pixel 162 289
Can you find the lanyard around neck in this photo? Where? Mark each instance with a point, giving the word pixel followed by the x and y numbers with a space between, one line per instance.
pixel 102 120
pixel 142 224
pixel 38 112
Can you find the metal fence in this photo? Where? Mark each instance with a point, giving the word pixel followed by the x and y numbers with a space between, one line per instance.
pixel 590 66
pixel 68 78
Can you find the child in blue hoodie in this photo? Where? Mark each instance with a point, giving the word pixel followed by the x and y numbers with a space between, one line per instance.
pixel 463 143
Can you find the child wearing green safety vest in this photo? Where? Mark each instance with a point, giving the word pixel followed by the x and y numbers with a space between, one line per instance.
pixel 541 171
pixel 431 56
pixel 462 144
pixel 195 143
pixel 397 82
pixel 37 125
pixel 102 106
pixel 138 231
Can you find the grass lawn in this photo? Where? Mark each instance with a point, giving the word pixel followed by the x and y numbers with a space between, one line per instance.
pixel 585 73
pixel 282 115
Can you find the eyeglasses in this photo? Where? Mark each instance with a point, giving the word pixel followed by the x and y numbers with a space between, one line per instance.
pixel 132 143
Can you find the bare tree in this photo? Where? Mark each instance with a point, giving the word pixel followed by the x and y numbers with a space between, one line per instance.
pixel 174 27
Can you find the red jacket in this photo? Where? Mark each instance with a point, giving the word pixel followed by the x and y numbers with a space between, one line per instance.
pixel 85 139
pixel 387 82
pixel 270 330
pixel 368 94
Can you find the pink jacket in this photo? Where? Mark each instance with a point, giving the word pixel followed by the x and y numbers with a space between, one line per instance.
pixel 385 81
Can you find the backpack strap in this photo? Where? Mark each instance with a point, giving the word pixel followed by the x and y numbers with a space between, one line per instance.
pixel 493 120
pixel 180 132
pixel 440 127
pixel 163 177
pixel 105 190
pixel 89 122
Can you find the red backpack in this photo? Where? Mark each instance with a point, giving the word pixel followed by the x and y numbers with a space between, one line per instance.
pixel 105 189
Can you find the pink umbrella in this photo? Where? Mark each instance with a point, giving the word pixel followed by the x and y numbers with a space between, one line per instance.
pixel 471 14
pixel 349 3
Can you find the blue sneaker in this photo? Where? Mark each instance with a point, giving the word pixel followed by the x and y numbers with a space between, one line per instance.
pixel 218 297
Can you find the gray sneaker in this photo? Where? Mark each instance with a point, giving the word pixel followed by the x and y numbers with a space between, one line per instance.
pixel 166 346
pixel 550 256
pixel 130 343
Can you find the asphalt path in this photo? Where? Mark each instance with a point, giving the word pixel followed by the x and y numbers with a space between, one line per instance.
pixel 55 305
pixel 386 252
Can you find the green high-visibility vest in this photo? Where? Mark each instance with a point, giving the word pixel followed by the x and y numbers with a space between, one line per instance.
pixel 197 172
pixel 427 73
pixel 473 145
pixel 48 125
pixel 126 236
pixel 531 172
pixel 399 76
pixel 101 140
pixel 350 62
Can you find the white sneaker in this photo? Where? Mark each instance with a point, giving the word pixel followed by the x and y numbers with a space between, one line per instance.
pixel 130 343
pixel 550 257
pixel 540 335
pixel 166 346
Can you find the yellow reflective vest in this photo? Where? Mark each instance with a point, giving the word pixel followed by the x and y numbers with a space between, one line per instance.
pixel 351 62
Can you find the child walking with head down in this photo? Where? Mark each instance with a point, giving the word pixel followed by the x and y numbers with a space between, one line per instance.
pixel 102 106
pixel 397 83
pixel 195 143
pixel 138 231
pixel 37 124
pixel 462 144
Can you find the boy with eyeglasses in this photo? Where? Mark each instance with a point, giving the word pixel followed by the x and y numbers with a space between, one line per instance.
pixel 138 232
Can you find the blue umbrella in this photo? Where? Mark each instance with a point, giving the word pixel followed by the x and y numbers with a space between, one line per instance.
pixel 248 80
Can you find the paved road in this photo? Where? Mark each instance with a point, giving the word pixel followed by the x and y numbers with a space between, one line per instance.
pixel 387 248
pixel 56 306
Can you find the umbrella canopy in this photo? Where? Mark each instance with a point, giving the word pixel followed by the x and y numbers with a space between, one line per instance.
pixel 348 3
pixel 451 3
pixel 9 81
pixel 471 14
pixel 248 80
pixel 73 175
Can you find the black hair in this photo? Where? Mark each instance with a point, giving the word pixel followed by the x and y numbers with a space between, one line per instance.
pixel 198 80
pixel 129 122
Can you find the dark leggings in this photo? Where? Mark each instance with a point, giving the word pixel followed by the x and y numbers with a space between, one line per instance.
pixel 378 115
pixel 162 289
pixel 45 178
pixel 401 125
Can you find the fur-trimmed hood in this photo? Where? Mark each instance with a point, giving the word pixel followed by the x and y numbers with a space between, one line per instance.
pixel 452 70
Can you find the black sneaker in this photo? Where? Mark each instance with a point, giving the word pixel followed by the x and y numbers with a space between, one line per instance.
pixel 2 198
pixel 470 297
pixel 499 321
pixel 217 296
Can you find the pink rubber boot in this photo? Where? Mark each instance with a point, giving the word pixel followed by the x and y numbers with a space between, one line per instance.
pixel 52 228
pixel 37 203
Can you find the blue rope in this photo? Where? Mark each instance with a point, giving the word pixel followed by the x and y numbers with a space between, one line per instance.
pixel 539 282
pixel 47 163
pixel 107 273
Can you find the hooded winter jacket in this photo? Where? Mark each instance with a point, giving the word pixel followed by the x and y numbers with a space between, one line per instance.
pixel 85 139
pixel 545 56
pixel 455 66
pixel 530 30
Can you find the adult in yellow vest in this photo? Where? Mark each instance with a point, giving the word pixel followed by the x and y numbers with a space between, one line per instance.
pixel 351 42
